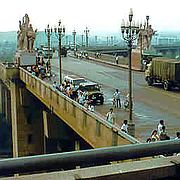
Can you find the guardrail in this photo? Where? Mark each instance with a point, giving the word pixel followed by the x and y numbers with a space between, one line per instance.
pixel 87 158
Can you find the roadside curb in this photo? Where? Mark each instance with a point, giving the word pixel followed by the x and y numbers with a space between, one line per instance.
pixel 109 63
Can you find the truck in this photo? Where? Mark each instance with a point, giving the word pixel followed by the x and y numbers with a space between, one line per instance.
pixel 163 71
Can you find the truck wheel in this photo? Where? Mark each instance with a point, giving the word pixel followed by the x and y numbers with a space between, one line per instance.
pixel 167 85
pixel 149 81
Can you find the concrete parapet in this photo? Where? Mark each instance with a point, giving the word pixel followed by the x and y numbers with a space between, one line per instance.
pixel 9 71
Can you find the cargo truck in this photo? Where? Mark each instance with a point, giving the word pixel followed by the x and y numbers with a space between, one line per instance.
pixel 164 71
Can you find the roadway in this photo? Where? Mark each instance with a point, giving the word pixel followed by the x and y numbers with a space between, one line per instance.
pixel 150 103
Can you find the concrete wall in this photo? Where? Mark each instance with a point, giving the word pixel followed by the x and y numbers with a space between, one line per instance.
pixel 27 122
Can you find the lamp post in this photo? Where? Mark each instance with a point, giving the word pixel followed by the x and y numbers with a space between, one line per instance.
pixel 129 34
pixel 147 21
pixel 82 40
pixel 141 30
pixel 112 40
pixel 48 32
pixel 74 41
pixel 86 31
pixel 107 39
pixel 60 32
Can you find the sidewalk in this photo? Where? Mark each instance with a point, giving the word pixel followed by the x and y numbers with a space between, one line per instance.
pixel 108 62
pixel 114 64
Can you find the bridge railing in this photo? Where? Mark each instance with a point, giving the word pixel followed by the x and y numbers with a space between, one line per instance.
pixel 91 127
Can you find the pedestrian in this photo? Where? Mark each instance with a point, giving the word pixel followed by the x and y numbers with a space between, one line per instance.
pixel 159 127
pixel 126 102
pixel 81 99
pixel 117 59
pixel 116 97
pixel 178 135
pixel 154 136
pixel 124 126
pixel 55 85
pixel 110 116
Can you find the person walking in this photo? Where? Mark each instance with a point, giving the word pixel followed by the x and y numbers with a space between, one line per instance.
pixel 124 126
pixel 116 97
pixel 117 59
pixel 110 116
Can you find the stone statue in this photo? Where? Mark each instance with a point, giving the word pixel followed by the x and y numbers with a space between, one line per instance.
pixel 31 35
pixel 150 33
pixel 26 35
pixel 145 37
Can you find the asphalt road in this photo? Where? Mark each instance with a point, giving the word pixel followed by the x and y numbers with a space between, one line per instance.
pixel 150 103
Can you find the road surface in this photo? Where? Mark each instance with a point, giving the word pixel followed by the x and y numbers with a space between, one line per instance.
pixel 150 103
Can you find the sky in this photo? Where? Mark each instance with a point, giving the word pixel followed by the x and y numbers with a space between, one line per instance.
pixel 98 15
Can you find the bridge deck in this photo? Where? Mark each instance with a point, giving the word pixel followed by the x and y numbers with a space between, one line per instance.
pixel 93 129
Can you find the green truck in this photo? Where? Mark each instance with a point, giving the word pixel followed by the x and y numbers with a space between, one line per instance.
pixel 164 71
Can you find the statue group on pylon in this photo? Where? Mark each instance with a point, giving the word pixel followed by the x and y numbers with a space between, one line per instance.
pixel 26 35
pixel 145 36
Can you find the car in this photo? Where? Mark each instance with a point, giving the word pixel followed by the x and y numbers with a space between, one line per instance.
pixel 75 80
pixel 64 51
pixel 93 90
pixel 47 52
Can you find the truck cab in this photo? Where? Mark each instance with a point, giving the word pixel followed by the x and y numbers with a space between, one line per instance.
pixel 148 73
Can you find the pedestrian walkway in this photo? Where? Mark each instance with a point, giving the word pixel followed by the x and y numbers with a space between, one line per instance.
pixel 114 64
pixel 109 62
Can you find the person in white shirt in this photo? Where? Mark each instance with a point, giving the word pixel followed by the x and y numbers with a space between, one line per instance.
pixel 159 127
pixel 116 97
pixel 110 116
pixel 81 98
pixel 124 126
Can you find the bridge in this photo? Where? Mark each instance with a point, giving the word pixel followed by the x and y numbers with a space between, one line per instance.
pixel 41 115
pixel 166 49
pixel 23 94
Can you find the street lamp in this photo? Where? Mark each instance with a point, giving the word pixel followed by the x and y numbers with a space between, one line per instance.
pixel 129 34
pixel 60 32
pixel 74 40
pixel 48 32
pixel 147 21
pixel 82 40
pixel 141 40
pixel 86 31
pixel 107 39
pixel 112 40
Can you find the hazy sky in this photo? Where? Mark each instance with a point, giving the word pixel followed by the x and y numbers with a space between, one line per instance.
pixel 97 15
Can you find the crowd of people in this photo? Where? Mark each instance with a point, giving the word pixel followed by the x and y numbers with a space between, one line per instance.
pixel 41 69
pixel 160 134
pixel 74 93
